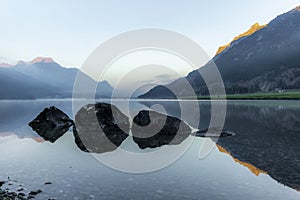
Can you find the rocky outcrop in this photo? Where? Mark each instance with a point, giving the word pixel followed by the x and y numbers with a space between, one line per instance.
pixel 254 28
pixel 100 128
pixel 51 124
pixel 151 129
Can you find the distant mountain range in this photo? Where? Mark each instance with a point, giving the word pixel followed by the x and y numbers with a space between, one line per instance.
pixel 265 58
pixel 43 78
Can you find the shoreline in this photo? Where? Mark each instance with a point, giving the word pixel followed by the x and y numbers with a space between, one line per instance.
pixel 289 95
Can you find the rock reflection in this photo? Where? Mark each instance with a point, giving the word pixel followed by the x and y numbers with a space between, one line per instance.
pixel 151 129
pixel 213 133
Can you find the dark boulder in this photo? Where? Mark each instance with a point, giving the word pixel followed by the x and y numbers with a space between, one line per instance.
pixel 51 124
pixel 151 129
pixel 2 183
pixel 33 193
pixel 100 128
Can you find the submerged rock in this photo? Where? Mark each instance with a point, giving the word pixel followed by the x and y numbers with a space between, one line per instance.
pixel 34 193
pixel 51 124
pixel 2 183
pixel 100 128
pixel 213 132
pixel 8 194
pixel 151 129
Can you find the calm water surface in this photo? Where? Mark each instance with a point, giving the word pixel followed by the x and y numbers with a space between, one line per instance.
pixel 262 161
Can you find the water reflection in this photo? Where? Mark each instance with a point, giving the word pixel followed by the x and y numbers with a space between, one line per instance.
pixel 267 133
pixel 267 136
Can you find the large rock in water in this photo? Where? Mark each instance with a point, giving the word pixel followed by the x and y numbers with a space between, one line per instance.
pixel 51 124
pixel 100 128
pixel 151 129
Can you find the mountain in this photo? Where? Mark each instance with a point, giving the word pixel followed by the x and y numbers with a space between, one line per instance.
pixel 267 60
pixel 42 60
pixel 5 65
pixel 44 78
pixel 16 85
pixel 255 27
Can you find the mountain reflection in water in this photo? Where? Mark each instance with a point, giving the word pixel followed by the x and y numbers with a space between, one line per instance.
pixel 267 133
pixel 267 136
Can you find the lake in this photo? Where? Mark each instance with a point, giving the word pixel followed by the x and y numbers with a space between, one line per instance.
pixel 262 161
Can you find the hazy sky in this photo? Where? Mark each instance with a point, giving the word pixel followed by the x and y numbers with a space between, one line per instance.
pixel 69 30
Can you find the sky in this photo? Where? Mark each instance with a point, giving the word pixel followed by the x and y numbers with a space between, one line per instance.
pixel 69 31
